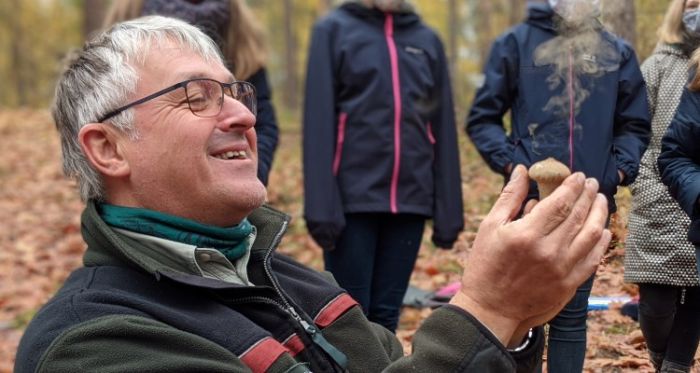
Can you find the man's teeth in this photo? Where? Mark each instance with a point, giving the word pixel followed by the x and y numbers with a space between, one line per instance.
pixel 232 155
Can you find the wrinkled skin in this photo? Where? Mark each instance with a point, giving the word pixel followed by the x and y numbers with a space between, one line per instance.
pixel 522 272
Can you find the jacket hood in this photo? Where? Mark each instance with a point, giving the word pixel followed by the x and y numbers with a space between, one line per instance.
pixel 540 15
pixel 376 16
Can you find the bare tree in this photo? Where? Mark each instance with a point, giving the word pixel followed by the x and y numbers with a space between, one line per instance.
pixel 17 54
pixel 482 19
pixel 291 91
pixel 515 11
pixel 621 18
pixel 453 35
pixel 93 15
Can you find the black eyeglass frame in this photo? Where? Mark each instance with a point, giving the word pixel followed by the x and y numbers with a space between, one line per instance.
pixel 184 84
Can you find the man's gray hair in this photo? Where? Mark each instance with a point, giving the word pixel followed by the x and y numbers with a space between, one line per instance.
pixel 102 76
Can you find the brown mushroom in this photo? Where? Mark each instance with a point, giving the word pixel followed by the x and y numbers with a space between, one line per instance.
pixel 548 174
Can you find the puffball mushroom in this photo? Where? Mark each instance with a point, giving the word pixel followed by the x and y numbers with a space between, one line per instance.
pixel 548 174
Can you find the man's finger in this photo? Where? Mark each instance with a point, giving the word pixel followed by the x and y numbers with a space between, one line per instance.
pixel 579 213
pixel 511 198
pixel 589 264
pixel 529 205
pixel 589 235
pixel 555 209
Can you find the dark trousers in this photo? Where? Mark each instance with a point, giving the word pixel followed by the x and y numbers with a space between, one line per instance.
pixel 373 260
pixel 670 321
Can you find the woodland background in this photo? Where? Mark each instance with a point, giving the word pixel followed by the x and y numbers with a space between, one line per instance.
pixel 39 209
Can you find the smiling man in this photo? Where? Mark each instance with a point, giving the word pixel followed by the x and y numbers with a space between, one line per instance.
pixel 181 274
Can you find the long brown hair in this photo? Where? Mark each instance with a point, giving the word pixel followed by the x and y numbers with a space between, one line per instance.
pixel 244 44
pixel 672 28
pixel 694 84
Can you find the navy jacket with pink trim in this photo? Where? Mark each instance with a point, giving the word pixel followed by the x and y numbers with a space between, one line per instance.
pixel 379 125
pixel 123 312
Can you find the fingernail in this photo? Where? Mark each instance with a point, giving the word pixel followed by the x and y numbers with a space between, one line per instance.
pixel 592 183
pixel 517 171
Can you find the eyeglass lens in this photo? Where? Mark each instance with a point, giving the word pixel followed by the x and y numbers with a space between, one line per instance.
pixel 205 96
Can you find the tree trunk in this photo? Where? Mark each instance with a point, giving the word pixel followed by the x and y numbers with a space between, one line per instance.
pixel 515 11
pixel 291 80
pixel 620 17
pixel 453 36
pixel 17 55
pixel 482 19
pixel 93 16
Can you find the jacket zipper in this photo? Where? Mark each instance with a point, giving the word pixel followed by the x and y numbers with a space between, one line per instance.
pixel 315 334
pixel 396 84
pixel 572 116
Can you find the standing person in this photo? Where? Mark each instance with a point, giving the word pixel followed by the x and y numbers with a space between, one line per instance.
pixel 380 149
pixel 658 256
pixel 231 24
pixel 575 93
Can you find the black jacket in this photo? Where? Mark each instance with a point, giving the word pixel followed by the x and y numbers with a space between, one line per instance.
pixel 379 129
pixel 265 124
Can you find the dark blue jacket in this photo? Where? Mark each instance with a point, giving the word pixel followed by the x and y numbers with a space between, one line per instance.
pixel 265 124
pixel 614 120
pixel 379 126
pixel 679 161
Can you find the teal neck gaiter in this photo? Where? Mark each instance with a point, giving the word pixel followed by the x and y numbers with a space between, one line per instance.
pixel 232 241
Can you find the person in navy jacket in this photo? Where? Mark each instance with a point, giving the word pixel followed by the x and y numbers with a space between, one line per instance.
pixel 679 161
pixel 380 149
pixel 575 93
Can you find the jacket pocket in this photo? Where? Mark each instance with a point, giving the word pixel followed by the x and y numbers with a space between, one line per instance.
pixel 342 119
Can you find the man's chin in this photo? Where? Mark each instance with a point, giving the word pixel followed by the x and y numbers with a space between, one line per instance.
pixel 254 196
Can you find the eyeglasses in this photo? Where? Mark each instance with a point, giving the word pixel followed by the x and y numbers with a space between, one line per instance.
pixel 205 97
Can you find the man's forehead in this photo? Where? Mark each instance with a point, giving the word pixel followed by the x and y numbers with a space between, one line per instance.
pixel 176 63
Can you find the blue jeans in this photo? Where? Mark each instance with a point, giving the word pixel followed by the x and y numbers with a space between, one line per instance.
pixel 566 348
pixel 373 260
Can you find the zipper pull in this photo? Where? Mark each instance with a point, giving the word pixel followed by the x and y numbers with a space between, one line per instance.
pixel 683 296
pixel 321 341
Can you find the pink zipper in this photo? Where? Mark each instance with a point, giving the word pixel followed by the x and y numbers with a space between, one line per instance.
pixel 393 56
pixel 572 116
pixel 342 118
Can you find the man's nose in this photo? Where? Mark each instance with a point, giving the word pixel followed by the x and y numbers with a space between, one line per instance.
pixel 234 114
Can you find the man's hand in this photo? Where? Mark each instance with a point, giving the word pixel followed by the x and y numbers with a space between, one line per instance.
pixel 621 176
pixel 521 273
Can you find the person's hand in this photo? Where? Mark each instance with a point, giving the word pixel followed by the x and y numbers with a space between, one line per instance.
pixel 621 176
pixel 521 273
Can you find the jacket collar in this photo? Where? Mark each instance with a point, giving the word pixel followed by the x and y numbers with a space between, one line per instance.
pixel 108 247
pixel 671 49
pixel 375 16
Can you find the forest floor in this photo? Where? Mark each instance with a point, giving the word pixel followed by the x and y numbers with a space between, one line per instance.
pixel 40 239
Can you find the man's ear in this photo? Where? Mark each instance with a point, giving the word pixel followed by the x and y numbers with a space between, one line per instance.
pixel 102 147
